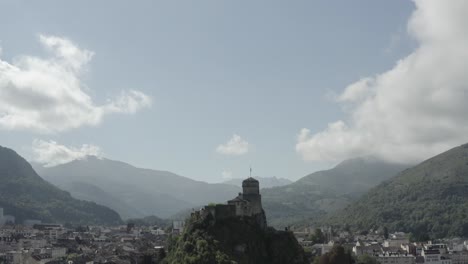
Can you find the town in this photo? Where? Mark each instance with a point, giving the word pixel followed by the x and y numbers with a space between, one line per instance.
pixel 35 242
pixel 384 248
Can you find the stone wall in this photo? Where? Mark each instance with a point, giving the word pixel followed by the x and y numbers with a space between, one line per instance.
pixel 255 203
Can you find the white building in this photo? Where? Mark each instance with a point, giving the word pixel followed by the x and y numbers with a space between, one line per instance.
pixel 459 257
pixel 396 259
pixel 433 256
pixel 158 232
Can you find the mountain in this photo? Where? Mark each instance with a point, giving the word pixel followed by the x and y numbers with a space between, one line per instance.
pixel 89 192
pixel 430 198
pixel 146 192
pixel 25 195
pixel 267 182
pixel 325 191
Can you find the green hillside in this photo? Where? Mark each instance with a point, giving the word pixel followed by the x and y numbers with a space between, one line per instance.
pixel 25 195
pixel 327 191
pixel 430 198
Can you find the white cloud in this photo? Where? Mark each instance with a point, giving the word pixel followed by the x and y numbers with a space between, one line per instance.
pixel 50 153
pixel 418 108
pixel 226 174
pixel 47 95
pixel 235 146
pixel 357 91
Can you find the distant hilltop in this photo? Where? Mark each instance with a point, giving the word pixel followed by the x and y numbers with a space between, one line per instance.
pixel 131 191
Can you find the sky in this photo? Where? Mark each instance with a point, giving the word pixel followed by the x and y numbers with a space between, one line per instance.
pixel 206 89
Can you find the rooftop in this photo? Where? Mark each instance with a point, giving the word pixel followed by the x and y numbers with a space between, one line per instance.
pixel 249 181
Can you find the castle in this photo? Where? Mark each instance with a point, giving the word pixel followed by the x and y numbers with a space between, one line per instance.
pixel 246 204
pixel 249 202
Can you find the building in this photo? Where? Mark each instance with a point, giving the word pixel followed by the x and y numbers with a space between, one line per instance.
pixel 246 204
pixel 249 202
pixel 361 248
pixel 50 231
pixel 459 257
pixel 25 243
pixel 177 227
pixel 441 247
pixel 396 242
pixel 433 256
pixel 395 259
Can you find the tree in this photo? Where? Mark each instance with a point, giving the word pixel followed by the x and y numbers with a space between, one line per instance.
pixel 347 228
pixel 366 259
pixel 385 232
pixel 130 226
pixel 337 255
pixel 318 237
pixel 419 237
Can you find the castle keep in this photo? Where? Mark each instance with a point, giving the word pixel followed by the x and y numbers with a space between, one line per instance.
pixel 249 202
pixel 246 204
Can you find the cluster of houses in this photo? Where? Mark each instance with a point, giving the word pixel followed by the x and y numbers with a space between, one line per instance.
pixel 396 249
pixel 34 242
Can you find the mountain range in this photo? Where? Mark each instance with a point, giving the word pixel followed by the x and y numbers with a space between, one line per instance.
pixel 25 195
pixel 324 192
pixel 362 193
pixel 428 199
pixel 134 192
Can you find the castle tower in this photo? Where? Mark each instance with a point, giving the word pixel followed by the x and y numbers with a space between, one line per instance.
pixel 251 192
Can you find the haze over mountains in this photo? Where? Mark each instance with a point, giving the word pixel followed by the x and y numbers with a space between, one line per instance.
pixel 326 191
pixel 132 191
pixel 25 195
pixel 363 193
pixel 136 192
pixel 428 199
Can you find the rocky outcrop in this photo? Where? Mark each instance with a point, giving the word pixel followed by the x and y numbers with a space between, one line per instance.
pixel 239 240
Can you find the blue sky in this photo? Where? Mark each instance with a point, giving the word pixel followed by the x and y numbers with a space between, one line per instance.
pixel 263 70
